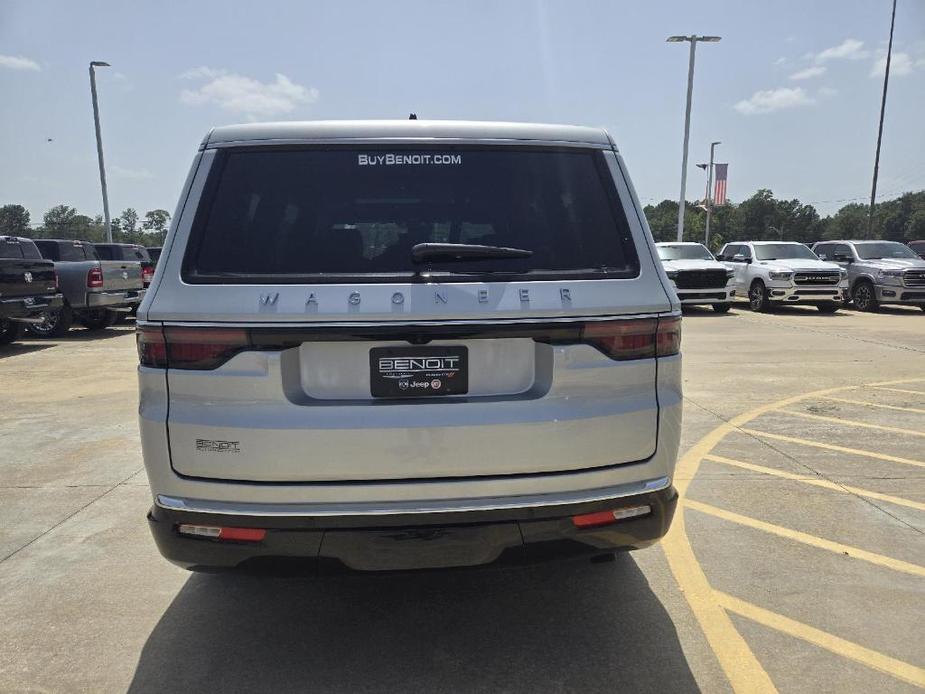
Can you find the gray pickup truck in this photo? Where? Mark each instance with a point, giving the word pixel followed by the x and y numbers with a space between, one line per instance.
pixel 28 286
pixel 95 290
pixel 879 272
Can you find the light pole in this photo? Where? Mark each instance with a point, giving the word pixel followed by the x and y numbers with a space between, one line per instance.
pixel 886 81
pixel 693 39
pixel 706 235
pixel 99 146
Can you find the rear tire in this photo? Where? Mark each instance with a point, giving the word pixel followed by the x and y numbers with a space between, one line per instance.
pixel 758 297
pixel 10 331
pixel 722 308
pixel 864 297
pixel 97 319
pixel 54 324
pixel 830 307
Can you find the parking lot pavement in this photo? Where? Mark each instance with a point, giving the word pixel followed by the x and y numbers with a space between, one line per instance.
pixel 798 562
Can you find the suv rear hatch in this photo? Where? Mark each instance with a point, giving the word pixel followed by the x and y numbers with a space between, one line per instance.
pixel 307 344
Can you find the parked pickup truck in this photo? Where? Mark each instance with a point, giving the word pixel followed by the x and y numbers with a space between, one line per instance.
pixel 697 277
pixel 128 251
pixel 95 291
pixel 879 272
pixel 28 286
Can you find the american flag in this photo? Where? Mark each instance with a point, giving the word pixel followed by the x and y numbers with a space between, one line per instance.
pixel 719 195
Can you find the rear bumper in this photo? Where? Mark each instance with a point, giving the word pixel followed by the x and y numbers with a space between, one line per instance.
pixel 115 299
pixel 403 541
pixel 28 309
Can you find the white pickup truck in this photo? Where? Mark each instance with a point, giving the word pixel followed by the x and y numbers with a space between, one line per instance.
pixel 697 277
pixel 784 272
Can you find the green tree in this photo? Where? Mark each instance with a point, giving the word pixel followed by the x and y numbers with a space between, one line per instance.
pixel 14 220
pixel 128 221
pixel 156 220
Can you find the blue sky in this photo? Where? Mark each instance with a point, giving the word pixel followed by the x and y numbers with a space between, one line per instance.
pixel 792 90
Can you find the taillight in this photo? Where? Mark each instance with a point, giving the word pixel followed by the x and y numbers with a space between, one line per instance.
pixel 147 273
pixel 189 348
pixel 641 338
pixel 94 278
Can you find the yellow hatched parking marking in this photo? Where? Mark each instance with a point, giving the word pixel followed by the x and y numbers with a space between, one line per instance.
pixel 865 403
pixel 852 423
pixel 847 649
pixel 816 482
pixel 807 539
pixel 901 390
pixel 833 447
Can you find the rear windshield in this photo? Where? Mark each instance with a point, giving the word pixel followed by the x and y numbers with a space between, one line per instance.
pixel 680 252
pixel 313 215
pixel 115 252
pixel 67 251
pixel 16 248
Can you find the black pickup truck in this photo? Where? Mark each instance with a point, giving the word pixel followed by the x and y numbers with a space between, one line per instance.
pixel 28 286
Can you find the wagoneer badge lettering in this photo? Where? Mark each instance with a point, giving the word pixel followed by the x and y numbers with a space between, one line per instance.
pixel 269 299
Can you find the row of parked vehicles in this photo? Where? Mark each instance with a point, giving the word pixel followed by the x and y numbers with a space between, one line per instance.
pixel 46 285
pixel 867 274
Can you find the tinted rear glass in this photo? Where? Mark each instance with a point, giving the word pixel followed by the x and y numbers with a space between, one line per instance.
pixel 66 251
pixel 10 249
pixel 324 215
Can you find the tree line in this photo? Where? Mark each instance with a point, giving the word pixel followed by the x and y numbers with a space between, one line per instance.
pixel 762 217
pixel 64 222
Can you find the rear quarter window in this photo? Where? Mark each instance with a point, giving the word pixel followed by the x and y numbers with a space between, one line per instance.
pixel 354 214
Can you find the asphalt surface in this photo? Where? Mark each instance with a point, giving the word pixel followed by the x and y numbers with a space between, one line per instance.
pixel 798 564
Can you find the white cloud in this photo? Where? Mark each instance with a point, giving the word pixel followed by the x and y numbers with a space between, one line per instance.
pixel 246 95
pixel 774 100
pixel 18 62
pixel 126 174
pixel 809 73
pixel 901 64
pixel 849 49
pixel 780 61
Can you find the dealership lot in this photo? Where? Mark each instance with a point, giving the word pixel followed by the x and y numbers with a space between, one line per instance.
pixel 798 563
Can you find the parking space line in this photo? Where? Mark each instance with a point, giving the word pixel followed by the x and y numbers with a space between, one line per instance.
pixel 816 481
pixel 901 390
pixel 865 403
pixel 852 423
pixel 833 447
pixel 834 644
pixel 807 539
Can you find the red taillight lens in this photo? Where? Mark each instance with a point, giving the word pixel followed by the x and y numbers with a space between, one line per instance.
pixel 152 348
pixel 669 336
pixel 94 278
pixel 623 339
pixel 189 348
pixel 147 273
pixel 635 339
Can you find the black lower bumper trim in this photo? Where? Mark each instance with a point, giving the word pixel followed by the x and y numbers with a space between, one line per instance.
pixel 431 542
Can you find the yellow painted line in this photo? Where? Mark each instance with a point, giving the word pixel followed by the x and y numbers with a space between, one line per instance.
pixel 901 390
pixel 901 381
pixel 816 482
pixel 833 447
pixel 847 649
pixel 865 403
pixel 852 423
pixel 807 539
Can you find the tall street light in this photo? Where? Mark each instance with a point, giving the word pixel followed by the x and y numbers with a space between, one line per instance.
pixel 99 146
pixel 886 81
pixel 693 39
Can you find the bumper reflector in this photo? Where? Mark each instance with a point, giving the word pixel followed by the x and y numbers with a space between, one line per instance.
pixel 593 520
pixel 218 533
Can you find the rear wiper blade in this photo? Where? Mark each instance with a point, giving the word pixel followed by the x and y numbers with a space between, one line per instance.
pixel 464 251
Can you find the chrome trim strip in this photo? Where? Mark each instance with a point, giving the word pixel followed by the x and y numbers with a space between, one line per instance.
pixel 234 508
pixel 410 323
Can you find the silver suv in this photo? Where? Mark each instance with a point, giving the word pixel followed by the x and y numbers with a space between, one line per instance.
pixel 408 344
pixel 879 272
pixel 697 276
